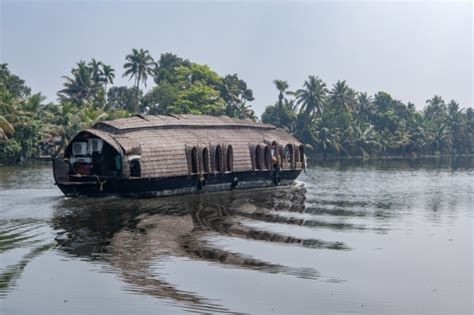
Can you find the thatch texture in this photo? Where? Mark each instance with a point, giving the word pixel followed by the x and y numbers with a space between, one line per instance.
pixel 164 143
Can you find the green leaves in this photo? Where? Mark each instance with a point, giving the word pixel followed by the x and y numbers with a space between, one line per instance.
pixel 236 94
pixel 139 66
pixel 183 87
pixel 338 121
pixel 87 83
pixel 344 122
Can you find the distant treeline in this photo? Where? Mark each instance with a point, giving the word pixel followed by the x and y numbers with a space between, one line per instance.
pixel 338 121
pixel 342 122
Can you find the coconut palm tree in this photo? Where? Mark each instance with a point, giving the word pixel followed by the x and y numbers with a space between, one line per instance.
pixel 34 104
pixel 435 107
pixel 312 99
pixel 245 111
pixel 10 112
pixel 364 137
pixel 343 97
pixel 281 86
pixel 139 66
pixel 80 87
pixel 63 123
pixel 88 116
pixel 117 113
pixel 457 125
pixel 442 139
pixel 96 70
pixel 329 139
pixel 6 128
pixel 108 76
pixel 364 106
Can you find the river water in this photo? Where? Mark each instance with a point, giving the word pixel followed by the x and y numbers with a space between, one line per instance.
pixel 392 236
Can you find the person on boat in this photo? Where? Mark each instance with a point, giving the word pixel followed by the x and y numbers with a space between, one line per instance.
pixel 274 152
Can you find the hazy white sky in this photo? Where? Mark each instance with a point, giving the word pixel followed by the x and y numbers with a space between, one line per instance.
pixel 410 50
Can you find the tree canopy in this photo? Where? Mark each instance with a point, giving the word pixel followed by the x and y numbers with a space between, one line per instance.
pixel 343 122
pixel 333 119
pixel 184 87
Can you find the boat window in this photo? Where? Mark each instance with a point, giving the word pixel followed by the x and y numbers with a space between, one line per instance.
pixel 258 158
pixel 79 148
pixel 301 154
pixel 205 160
pixel 194 164
pixel 135 169
pixel 230 159
pixel 288 153
pixel 117 165
pixel 218 159
pixel 274 149
pixel 267 158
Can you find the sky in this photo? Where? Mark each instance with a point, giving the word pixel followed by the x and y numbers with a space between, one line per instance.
pixel 412 50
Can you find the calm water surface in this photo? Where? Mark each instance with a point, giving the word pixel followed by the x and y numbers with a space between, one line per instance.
pixel 379 237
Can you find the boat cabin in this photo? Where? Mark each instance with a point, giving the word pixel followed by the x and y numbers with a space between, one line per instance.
pixel 162 155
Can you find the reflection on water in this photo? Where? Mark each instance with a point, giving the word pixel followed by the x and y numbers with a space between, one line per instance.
pixel 392 235
pixel 133 235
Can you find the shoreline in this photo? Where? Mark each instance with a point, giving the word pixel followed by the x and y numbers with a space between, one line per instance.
pixel 312 157
pixel 319 157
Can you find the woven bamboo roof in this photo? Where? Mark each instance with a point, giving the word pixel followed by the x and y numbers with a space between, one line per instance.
pixel 176 121
pixel 163 142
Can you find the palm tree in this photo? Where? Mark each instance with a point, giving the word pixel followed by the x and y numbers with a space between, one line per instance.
pixel 245 111
pixel 9 103
pixel 458 126
pixel 343 97
pixel 34 104
pixel 434 107
pixel 88 116
pixel 96 70
pixel 6 128
pixel 364 137
pixel 139 66
pixel 312 99
pixel 364 106
pixel 329 139
pixel 63 123
pixel 117 113
pixel 9 113
pixel 80 87
pixel 108 76
pixel 442 139
pixel 281 86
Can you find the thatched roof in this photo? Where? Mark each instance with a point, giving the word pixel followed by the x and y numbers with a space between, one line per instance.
pixel 175 121
pixel 163 142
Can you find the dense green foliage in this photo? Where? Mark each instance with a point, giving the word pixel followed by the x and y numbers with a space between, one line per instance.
pixel 28 127
pixel 26 122
pixel 183 87
pixel 342 122
pixel 332 120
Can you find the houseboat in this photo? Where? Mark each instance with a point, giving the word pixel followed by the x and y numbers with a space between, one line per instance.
pixel 147 155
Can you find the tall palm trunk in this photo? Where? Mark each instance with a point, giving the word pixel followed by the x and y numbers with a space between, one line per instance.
pixel 306 118
pixel 137 96
pixel 105 87
pixel 280 107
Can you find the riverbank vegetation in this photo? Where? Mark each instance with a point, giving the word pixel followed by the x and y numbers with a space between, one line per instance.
pixel 333 120
pixel 338 121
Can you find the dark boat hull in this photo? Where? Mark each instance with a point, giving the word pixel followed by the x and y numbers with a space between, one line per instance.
pixel 156 187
